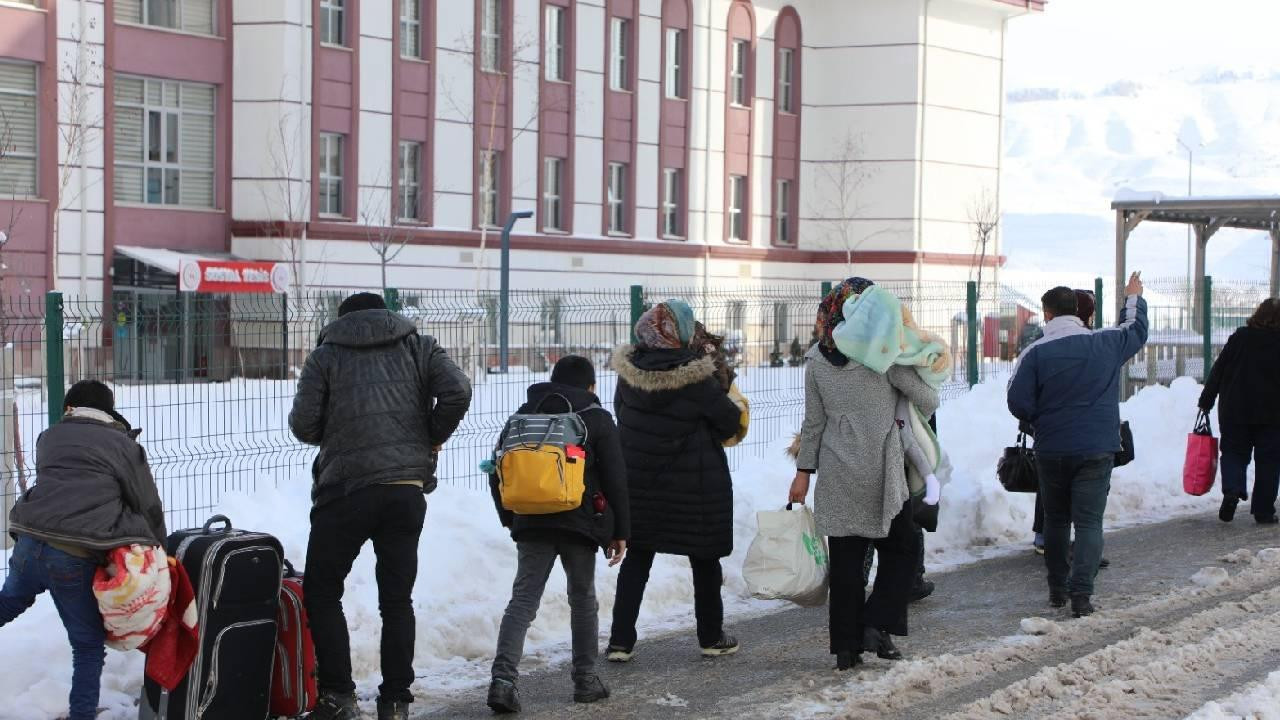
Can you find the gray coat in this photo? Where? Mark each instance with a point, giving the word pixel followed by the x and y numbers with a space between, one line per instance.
pixel 93 489
pixel 376 397
pixel 851 439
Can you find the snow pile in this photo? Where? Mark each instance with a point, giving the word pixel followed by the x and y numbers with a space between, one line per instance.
pixel 1210 577
pixel 1038 626
pixel 467 561
pixel 1259 702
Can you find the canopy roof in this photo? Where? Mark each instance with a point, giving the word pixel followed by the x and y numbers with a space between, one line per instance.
pixel 1256 212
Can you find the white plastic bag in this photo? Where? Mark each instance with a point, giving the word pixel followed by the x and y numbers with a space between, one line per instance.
pixel 787 559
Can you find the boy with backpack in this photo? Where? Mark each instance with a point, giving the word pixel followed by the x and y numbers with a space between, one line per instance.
pixel 561 438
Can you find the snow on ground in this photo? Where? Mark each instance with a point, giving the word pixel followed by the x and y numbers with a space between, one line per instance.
pixel 467 562
pixel 1257 702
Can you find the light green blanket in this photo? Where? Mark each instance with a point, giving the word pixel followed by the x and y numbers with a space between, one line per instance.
pixel 873 334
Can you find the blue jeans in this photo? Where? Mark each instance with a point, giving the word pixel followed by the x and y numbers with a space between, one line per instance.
pixel 1074 491
pixel 36 567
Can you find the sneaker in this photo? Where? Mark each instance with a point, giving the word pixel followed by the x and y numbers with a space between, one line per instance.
pixel 881 643
pixel 1081 606
pixel 1227 512
pixel 1057 598
pixel 1038 543
pixel 589 689
pixel 392 710
pixel 727 645
pixel 619 654
pixel 504 698
pixel 335 706
pixel 921 590
pixel 847 661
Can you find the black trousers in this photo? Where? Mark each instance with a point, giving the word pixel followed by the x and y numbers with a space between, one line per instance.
pixel 886 610
pixel 708 609
pixel 1262 442
pixel 391 516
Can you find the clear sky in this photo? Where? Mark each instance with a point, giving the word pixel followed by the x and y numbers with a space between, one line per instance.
pixel 1089 43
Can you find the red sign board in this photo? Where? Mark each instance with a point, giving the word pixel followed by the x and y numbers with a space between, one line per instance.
pixel 233 276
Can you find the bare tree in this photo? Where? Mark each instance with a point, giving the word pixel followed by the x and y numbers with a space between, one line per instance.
pixel 841 181
pixel 286 195
pixel 385 236
pixel 80 122
pixel 984 216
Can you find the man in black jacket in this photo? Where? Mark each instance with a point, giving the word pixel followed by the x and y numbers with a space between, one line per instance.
pixel 602 520
pixel 379 400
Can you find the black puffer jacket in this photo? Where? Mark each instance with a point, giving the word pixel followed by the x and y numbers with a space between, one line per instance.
pixel 1246 377
pixel 376 397
pixel 605 473
pixel 674 418
pixel 93 488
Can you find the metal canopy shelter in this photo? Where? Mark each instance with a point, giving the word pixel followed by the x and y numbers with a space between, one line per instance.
pixel 1206 215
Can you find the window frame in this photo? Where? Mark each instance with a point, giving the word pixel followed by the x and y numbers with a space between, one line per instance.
pixel 783 228
pixel 491 41
pixel 737 211
pixel 786 80
pixel 411 30
pixel 616 198
pixel 409 188
pixel 179 16
pixel 739 72
pixel 552 192
pixel 328 10
pixel 34 155
pixel 620 54
pixel 672 207
pixel 326 177
pixel 675 73
pixel 555 48
pixel 490 196
pixel 164 166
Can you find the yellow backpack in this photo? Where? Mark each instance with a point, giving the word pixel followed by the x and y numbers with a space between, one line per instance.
pixel 541 461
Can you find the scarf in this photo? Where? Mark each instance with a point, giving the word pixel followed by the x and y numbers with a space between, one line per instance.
pixel 666 326
pixel 879 332
pixel 831 314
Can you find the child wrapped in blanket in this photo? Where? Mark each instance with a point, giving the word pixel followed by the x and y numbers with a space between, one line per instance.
pixel 878 332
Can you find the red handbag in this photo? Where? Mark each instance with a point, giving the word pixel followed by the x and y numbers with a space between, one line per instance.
pixel 1201 465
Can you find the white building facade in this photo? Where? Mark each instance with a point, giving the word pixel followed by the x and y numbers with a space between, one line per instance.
pixel 373 143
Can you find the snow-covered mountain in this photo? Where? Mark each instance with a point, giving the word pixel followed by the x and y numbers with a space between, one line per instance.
pixel 1068 152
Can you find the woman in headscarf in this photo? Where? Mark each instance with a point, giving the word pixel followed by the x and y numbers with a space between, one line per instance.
pixel 850 439
pixel 674 416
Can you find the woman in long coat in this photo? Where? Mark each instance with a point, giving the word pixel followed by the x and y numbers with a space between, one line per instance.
pixel 674 417
pixel 850 439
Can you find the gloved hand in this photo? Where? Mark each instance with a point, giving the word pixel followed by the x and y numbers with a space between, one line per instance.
pixel 932 490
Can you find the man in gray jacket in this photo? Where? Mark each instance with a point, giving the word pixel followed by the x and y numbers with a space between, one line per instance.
pixel 379 400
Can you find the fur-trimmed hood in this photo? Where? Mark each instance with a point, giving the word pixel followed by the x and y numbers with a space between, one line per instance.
pixel 680 376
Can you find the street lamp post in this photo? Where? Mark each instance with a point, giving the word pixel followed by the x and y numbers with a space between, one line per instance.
pixel 504 290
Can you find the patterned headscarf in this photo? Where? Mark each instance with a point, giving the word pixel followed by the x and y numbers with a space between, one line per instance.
pixel 665 326
pixel 831 314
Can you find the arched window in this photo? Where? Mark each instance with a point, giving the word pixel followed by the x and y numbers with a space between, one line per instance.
pixel 786 129
pixel 740 51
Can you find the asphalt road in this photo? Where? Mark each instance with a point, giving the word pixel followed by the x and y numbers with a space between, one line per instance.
pixel 784 653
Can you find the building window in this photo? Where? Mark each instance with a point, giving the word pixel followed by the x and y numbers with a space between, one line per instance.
pixel 331 172
pixel 737 208
pixel 410 181
pixel 554 60
pixel 164 142
pixel 490 170
pixel 617 197
pixel 738 74
pixel 411 29
pixel 553 194
pixel 619 54
pixel 675 64
pixel 672 194
pixel 194 16
pixel 491 36
pixel 17 130
pixel 333 22
pixel 782 213
pixel 786 80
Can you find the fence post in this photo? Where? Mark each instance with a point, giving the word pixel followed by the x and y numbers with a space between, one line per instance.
pixel 55 367
pixel 826 288
pixel 1207 325
pixel 971 330
pixel 391 296
pixel 1098 316
pixel 637 309
pixel 284 336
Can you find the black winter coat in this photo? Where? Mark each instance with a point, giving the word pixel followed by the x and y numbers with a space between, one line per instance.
pixel 674 418
pixel 604 473
pixel 93 489
pixel 377 398
pixel 1246 377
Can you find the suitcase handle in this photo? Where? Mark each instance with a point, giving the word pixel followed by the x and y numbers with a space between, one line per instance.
pixel 289 572
pixel 226 523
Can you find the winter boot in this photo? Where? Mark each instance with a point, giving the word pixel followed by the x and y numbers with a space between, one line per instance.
pixel 618 654
pixel 726 645
pixel 1266 519
pixel 1227 512
pixel 392 710
pixel 335 706
pixel 1057 598
pixel 504 698
pixel 589 689
pixel 1038 543
pixel 921 589
pixel 1081 606
pixel 848 660
pixel 881 643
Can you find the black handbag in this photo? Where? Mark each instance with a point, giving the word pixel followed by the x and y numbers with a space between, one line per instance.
pixel 1017 468
pixel 1127 453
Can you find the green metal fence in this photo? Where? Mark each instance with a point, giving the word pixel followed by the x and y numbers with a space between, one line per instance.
pixel 210 379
